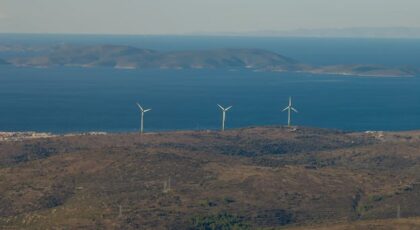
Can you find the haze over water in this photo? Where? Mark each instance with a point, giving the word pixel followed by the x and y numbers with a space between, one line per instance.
pixel 103 99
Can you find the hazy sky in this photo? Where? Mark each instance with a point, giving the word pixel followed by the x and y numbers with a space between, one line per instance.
pixel 191 16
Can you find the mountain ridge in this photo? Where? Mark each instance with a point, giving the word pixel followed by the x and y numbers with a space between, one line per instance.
pixel 114 56
pixel 128 57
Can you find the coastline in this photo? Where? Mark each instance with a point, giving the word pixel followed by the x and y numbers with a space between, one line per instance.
pixel 316 71
pixel 380 135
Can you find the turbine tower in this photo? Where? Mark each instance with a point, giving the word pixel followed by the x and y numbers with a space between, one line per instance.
pixel 143 111
pixel 290 109
pixel 224 110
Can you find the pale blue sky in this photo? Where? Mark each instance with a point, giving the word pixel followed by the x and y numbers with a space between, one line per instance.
pixel 192 16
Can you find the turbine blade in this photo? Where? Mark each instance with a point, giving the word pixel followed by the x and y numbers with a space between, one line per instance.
pixel 141 108
pixel 285 108
pixel 228 108
pixel 147 110
pixel 221 107
pixel 294 110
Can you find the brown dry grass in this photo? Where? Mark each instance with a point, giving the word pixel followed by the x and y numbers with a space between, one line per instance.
pixel 270 177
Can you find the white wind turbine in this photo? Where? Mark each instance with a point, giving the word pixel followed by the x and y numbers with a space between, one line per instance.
pixel 143 111
pixel 290 109
pixel 224 110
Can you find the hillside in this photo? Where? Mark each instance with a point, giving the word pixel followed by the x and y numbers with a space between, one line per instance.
pixel 131 57
pixel 389 224
pixel 266 177
pixel 126 57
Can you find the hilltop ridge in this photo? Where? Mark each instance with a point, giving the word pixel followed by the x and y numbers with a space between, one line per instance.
pixel 132 57
pixel 261 177
pixel 127 57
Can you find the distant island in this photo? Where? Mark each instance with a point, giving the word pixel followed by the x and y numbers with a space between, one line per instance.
pixel 349 32
pixel 127 57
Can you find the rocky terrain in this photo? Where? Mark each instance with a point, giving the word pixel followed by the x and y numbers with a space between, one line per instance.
pixel 253 178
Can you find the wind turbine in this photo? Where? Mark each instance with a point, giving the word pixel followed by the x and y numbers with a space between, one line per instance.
pixel 224 110
pixel 143 111
pixel 290 109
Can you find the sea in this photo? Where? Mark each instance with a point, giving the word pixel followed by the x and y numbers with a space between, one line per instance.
pixel 68 99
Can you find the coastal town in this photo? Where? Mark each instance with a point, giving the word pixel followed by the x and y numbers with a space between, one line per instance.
pixel 21 136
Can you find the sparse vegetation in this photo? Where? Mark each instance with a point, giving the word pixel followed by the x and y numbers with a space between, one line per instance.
pixel 228 200
pixel 249 178
pixel 376 198
pixel 221 221
pixel 207 203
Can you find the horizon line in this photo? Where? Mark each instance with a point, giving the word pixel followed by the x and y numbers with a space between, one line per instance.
pixel 352 32
pixel 220 35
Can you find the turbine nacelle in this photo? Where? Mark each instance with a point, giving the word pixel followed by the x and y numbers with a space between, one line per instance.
pixel 291 108
pixel 224 109
pixel 143 110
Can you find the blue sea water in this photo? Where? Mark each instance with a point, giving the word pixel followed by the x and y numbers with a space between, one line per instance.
pixel 64 100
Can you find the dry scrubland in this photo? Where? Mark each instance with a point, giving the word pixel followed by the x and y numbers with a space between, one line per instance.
pixel 267 177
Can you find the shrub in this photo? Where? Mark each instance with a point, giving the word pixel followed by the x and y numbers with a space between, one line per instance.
pixel 221 221
pixel 228 200
pixel 376 198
